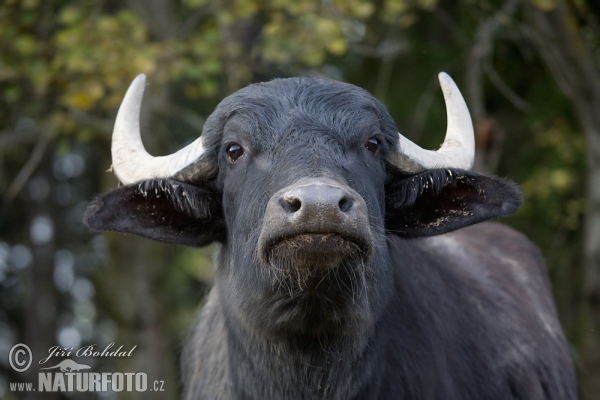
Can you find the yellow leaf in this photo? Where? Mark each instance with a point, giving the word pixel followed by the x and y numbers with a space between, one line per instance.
pixel 69 15
pixel 326 28
pixel 363 10
pixel 427 4
pixel 25 45
pixel 195 3
pixel 545 5
pixel 29 4
pixel 561 179
pixel 337 46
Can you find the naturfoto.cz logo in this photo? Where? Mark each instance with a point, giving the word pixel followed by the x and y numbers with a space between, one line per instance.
pixel 71 376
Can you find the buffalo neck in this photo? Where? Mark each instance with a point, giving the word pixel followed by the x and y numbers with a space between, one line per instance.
pixel 337 363
pixel 323 366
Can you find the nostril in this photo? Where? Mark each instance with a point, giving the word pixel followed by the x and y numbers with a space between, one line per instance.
pixel 345 204
pixel 316 200
pixel 290 204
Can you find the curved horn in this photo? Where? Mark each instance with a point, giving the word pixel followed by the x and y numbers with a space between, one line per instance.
pixel 131 161
pixel 458 149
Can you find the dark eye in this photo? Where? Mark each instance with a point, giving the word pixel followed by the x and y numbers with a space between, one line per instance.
pixel 234 151
pixel 372 144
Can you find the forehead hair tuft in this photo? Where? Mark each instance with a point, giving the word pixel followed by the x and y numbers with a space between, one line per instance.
pixel 267 108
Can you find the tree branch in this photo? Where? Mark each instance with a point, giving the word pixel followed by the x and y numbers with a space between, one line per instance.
pixel 30 166
pixel 104 126
pixel 505 90
pixel 11 138
pixel 167 108
pixel 480 53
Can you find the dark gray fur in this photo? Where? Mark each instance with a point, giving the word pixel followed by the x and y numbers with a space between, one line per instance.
pixel 434 311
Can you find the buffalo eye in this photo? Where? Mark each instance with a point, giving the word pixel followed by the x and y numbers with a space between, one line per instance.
pixel 234 151
pixel 372 144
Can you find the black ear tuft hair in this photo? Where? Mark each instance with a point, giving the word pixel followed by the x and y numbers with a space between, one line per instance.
pixel 405 192
pixel 442 200
pixel 160 209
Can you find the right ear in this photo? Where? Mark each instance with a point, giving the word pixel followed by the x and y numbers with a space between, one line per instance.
pixel 161 209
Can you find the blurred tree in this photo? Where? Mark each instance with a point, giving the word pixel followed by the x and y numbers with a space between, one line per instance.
pixel 567 38
pixel 529 73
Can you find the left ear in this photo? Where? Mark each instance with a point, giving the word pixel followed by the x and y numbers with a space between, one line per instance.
pixel 160 209
pixel 442 200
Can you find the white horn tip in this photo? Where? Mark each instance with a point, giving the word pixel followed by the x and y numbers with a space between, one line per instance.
pixel 130 107
pixel 139 80
pixel 442 76
pixel 447 83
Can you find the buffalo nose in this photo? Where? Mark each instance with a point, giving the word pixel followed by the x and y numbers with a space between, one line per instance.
pixel 318 201
pixel 312 218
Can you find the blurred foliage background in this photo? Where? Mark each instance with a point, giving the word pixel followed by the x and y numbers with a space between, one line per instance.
pixel 528 70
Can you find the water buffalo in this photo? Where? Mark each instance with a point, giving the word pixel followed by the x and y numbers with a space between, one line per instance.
pixel 341 268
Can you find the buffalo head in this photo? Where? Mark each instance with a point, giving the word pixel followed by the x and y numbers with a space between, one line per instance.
pixel 300 181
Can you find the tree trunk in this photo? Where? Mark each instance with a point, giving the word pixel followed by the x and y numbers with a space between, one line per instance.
pixel 489 135
pixel 575 70
pixel 42 299
pixel 134 292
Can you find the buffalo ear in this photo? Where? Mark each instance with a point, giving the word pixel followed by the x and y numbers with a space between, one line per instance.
pixel 159 209
pixel 442 200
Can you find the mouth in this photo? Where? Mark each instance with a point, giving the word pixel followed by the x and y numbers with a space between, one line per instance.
pixel 321 250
